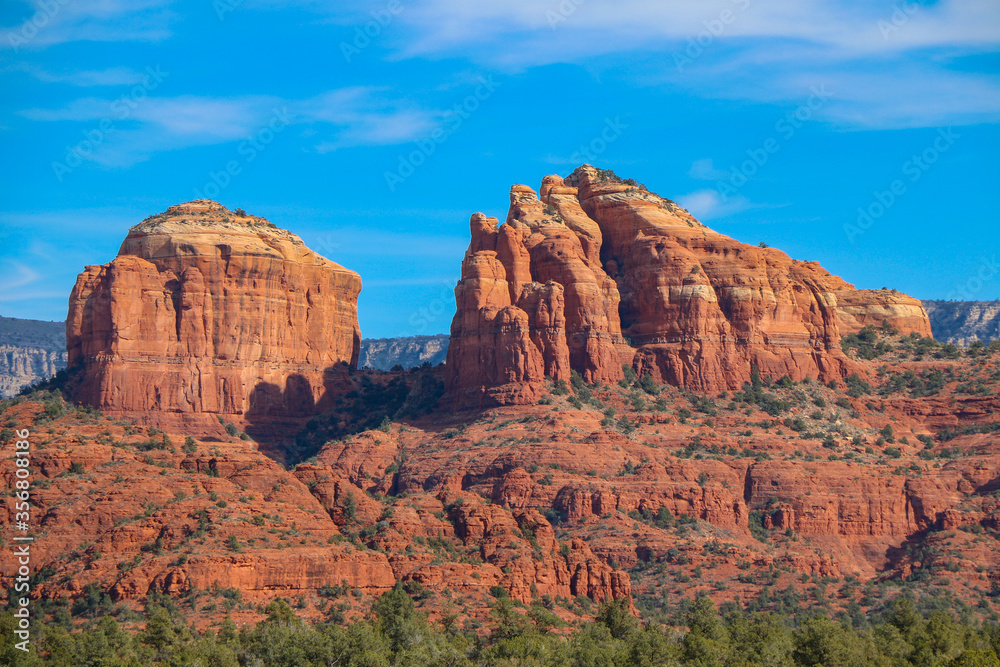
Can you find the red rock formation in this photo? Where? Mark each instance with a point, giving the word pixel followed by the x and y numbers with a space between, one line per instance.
pixel 601 272
pixel 555 569
pixel 165 520
pixel 549 502
pixel 205 312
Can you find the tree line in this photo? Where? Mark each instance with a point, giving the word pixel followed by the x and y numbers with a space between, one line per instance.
pixel 396 633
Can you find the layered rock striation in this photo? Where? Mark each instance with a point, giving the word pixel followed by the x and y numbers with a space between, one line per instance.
pixel 595 273
pixel 206 312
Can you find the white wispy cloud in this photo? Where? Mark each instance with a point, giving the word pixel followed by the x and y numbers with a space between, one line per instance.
pixel 112 76
pixel 704 170
pixel 49 248
pixel 708 204
pixel 367 116
pixel 851 26
pixel 17 275
pixel 908 96
pixel 22 283
pixel 895 65
pixel 206 118
pixel 892 91
pixel 140 128
pixel 333 120
pixel 49 22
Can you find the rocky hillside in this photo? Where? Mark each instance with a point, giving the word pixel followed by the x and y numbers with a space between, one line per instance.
pixel 49 336
pixel 787 495
pixel 964 322
pixel 30 350
pixel 409 352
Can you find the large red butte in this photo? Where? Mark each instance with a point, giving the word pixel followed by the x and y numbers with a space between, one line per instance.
pixel 598 273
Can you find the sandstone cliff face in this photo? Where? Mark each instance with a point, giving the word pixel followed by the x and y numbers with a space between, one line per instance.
pixel 205 312
pixel 597 272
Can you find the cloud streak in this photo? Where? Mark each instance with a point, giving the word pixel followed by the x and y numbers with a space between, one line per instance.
pixel 894 65
pixel 113 76
pixel 707 204
pixel 851 27
pixel 367 116
pixel 331 121
pixel 46 24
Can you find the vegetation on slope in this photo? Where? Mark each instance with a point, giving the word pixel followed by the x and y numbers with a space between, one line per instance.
pixel 395 632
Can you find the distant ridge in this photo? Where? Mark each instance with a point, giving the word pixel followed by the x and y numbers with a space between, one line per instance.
pixel 33 333
pixel 964 322
pixel 384 353
pixel 30 350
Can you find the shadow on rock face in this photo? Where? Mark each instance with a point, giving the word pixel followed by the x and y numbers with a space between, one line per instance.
pixel 291 426
pixel 276 416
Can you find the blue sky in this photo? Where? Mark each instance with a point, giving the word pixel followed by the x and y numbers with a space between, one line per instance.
pixel 780 121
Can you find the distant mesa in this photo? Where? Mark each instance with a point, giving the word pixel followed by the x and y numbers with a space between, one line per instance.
pixel 208 312
pixel 596 272
pixel 964 322
pixel 30 350
pixel 384 354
